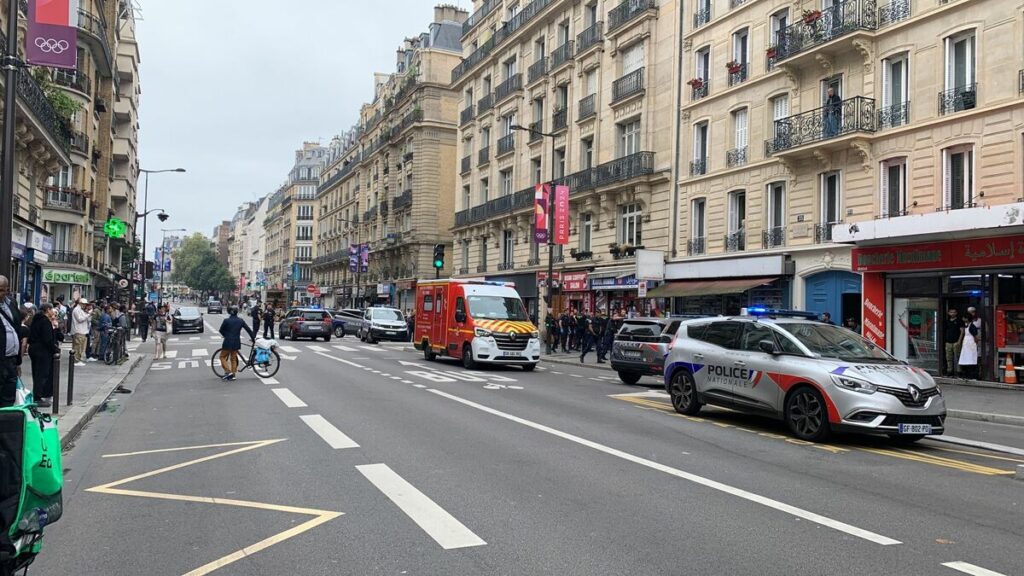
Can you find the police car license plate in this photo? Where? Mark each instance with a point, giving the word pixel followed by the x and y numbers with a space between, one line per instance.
pixel 392 333
pixel 631 354
pixel 314 328
pixel 915 429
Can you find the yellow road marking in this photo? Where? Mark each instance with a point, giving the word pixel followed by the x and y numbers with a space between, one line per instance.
pixel 992 456
pixel 319 516
pixel 937 461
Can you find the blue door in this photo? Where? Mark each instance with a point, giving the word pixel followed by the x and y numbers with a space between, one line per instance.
pixel 835 292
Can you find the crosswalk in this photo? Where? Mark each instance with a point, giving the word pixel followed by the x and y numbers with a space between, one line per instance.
pixel 184 352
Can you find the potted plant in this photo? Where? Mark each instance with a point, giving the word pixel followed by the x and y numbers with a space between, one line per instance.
pixel 696 83
pixel 771 52
pixel 734 67
pixel 582 254
pixel 811 16
pixel 614 249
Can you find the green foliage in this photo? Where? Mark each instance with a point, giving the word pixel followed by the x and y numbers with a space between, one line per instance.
pixel 196 266
pixel 65 106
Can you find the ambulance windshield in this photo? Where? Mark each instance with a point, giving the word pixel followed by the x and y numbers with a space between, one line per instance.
pixel 497 308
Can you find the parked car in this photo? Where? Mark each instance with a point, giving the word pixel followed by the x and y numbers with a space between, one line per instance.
pixel 187 318
pixel 214 307
pixel 306 323
pixel 347 321
pixel 382 323
pixel 640 346
pixel 816 377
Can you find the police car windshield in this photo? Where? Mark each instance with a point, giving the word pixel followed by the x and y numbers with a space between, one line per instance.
pixel 497 308
pixel 386 314
pixel 835 342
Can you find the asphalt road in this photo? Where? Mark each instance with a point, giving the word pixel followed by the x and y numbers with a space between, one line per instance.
pixel 360 459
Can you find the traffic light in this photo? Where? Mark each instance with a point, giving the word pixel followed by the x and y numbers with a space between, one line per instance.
pixel 149 270
pixel 438 256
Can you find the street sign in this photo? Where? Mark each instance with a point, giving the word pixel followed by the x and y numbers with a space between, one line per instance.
pixel 123 283
pixel 641 289
pixel 153 296
pixel 312 289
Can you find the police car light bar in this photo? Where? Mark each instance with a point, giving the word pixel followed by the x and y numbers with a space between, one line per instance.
pixel 775 312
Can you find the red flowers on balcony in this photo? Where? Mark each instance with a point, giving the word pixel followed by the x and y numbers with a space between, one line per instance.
pixel 811 16
pixel 734 67
pixel 696 83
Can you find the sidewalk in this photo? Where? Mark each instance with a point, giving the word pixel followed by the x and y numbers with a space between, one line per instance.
pixel 94 382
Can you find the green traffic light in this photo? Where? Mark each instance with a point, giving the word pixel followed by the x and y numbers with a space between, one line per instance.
pixel 438 263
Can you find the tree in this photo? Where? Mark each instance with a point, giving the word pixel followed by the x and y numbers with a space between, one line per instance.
pixel 196 266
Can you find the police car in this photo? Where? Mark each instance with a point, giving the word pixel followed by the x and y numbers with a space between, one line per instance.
pixel 816 377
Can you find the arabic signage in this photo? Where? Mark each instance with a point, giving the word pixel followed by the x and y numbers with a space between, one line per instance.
pixel 540 211
pixel 972 253
pixel 51 36
pixel 561 215
pixel 873 314
pixel 60 276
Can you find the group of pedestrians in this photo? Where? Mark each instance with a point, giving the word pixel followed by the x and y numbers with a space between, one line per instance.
pixel 265 315
pixel 961 338
pixel 576 331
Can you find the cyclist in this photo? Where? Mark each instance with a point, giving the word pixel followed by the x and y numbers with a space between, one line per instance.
pixel 231 329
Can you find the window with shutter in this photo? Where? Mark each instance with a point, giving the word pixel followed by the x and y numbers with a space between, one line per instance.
pixel 703 64
pixel 740 122
pixel 697 227
pixel 633 58
pixel 740 46
pixel 591 82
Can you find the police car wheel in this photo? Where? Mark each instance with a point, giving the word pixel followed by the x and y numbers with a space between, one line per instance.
pixel 806 415
pixel 630 378
pixel 683 392
pixel 339 331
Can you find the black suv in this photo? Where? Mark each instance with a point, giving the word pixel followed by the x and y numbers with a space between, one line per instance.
pixel 640 347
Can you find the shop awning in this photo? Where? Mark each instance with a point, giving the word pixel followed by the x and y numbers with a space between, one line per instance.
pixel 707 287
pixel 613 272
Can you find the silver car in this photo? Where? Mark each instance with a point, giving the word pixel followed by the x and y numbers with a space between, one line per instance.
pixel 816 377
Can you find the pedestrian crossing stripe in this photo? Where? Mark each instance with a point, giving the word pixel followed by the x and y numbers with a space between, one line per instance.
pixel 288 349
pixel 200 352
pixel 171 353
pixel 318 349
pixel 372 348
pixel 343 348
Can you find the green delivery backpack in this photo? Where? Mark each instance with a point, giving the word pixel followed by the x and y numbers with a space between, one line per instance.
pixel 31 481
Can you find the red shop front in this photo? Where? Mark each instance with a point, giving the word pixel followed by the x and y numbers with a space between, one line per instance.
pixel 909 289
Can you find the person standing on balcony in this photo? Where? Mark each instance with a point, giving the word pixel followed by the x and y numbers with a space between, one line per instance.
pixel 833 113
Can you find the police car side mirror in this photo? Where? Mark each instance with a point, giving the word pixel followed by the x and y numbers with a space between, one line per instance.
pixel 460 316
pixel 768 347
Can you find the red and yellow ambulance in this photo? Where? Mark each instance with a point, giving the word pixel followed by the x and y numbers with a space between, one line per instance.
pixel 475 321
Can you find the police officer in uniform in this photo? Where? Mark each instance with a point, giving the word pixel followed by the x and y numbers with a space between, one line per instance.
pixel 601 333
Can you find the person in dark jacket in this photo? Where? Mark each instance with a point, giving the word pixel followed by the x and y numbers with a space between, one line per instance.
pixel 42 347
pixel 10 345
pixel 256 313
pixel 268 321
pixel 231 329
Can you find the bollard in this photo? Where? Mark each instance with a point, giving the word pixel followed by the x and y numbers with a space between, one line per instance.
pixel 55 407
pixel 71 378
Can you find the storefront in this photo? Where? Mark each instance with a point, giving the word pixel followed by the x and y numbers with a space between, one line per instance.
pixel 726 286
pixel 405 291
pixel 525 285
pixel 71 284
pixel 909 289
pixel 618 289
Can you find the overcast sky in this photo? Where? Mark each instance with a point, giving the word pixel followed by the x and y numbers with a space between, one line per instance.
pixel 231 88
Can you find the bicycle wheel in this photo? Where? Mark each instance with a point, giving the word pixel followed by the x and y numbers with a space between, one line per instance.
pixel 268 368
pixel 215 364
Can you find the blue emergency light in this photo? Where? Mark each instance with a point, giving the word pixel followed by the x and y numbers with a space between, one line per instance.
pixel 775 313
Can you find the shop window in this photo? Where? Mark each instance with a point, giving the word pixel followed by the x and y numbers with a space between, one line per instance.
pixel 893 187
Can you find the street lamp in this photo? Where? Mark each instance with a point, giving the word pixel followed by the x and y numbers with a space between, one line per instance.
pixel 145 212
pixel 551 226
pixel 163 252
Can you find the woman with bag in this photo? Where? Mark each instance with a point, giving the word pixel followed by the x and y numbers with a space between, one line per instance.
pixel 42 347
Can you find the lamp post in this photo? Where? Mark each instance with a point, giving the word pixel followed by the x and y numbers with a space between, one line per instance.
pixel 145 213
pixel 10 64
pixel 551 228
pixel 163 252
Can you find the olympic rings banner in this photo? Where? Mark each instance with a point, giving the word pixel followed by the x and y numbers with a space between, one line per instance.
pixel 52 31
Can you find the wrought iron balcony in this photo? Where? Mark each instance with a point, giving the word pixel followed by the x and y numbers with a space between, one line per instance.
pixel 67 257
pixel 537 70
pixel 823 232
pixel 483 156
pixel 561 55
pixel 736 157
pixel 535 129
pixel 560 119
pixel 558 258
pixel 702 16
pixel 464 270
pixel 637 164
pixel 513 84
pixel 97 34
pixel 478 213
pixel 481 268
pixel 958 99
pixel 894 115
pixel 699 90
pixel 37 102
pixel 893 12
pixel 75 80
pixel 506 143
pixel 462 217
pixel 483 12
pixel 736 3
pixel 79 142
pixel 63 199
pixel 370 214
pixel 698 167
pixel 588 106
pixel 695 246
pixel 403 200
pixel 821 26
pixel 628 85
pixel 627 11
pixel 773 237
pixel 533 262
pixel 466 164
pixel 848 117
pixel 523 199
pixel 502 266
pixel 484 104
pixel 738 74
pixel 498 206
pixel 736 242
pixel 590 37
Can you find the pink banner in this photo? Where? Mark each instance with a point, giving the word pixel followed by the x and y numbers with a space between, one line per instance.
pixel 52 33
pixel 542 192
pixel 561 215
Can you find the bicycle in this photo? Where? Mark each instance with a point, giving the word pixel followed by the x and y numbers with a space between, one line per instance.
pixel 117 350
pixel 262 369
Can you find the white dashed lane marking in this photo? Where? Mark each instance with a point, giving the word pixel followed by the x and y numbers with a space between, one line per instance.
pixel 335 438
pixel 343 348
pixel 200 352
pixel 289 398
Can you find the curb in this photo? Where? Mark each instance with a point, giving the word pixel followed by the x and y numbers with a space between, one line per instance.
pixel 978 444
pixel 986 417
pixel 943 381
pixel 81 414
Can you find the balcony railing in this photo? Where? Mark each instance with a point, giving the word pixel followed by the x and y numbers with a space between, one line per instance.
pixel 773 237
pixel 590 37
pixel 560 119
pixel 533 262
pixel 466 164
pixel 74 80
pixel 738 74
pixel 698 167
pixel 535 129
pixel 588 106
pixel 699 90
pixel 736 157
pixel 502 266
pixel 627 11
pixel 506 143
pixel 561 55
pixel 67 257
pixel 637 164
pixel 403 200
pixel 736 242
pixel 628 85
pixel 894 115
pixel 462 217
pixel 467 115
pixel 483 156
pixel 895 11
pixel 537 70
pixel 481 267
pixel 483 12
pixel 508 87
pixel 831 23
pixel 510 27
pixel 702 16
pixel 95 27
pixel 736 3
pixel 61 199
pixel 849 116
pixel 484 104
pixel 823 232
pixel 523 199
pixel 79 142
pixel 958 99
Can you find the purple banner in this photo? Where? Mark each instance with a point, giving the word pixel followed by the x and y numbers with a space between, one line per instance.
pixel 364 258
pixel 52 33
pixel 353 258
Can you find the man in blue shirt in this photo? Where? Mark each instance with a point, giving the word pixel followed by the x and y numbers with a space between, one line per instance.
pixel 106 323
